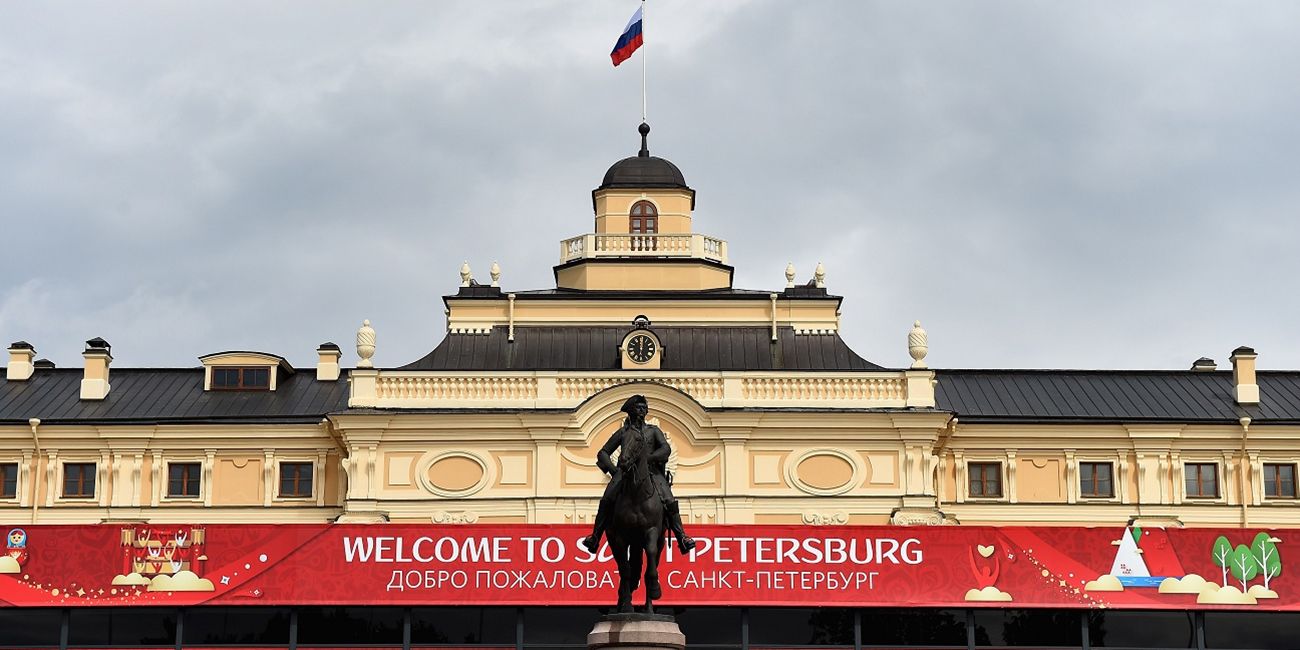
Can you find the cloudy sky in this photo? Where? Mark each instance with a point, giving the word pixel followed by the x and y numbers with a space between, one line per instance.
pixel 1043 184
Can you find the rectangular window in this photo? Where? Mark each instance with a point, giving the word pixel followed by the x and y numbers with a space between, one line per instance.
pixel 1095 480
pixel 463 626
pixel 916 626
pixel 334 627
pixel 795 627
pixel 1279 480
pixel 241 378
pixel 122 627
pixel 243 625
pixel 183 479
pixel 8 480
pixel 295 479
pixel 559 628
pixel 1034 628
pixel 30 627
pixel 78 480
pixel 1202 480
pixel 985 479
pixel 1251 630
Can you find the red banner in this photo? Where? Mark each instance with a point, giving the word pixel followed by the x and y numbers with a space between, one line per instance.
pixel 948 566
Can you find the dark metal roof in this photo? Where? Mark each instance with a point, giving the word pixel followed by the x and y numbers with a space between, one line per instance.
pixel 1112 396
pixel 685 348
pixel 643 170
pixel 1012 396
pixel 647 171
pixel 165 395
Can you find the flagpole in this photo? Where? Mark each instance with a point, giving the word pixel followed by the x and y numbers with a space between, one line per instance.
pixel 643 54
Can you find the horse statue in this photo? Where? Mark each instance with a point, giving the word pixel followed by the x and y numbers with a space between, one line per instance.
pixel 636 534
pixel 638 505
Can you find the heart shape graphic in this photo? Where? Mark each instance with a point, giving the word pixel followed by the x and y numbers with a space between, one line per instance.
pixel 985 551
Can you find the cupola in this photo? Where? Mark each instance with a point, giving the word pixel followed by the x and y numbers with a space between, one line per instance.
pixel 643 239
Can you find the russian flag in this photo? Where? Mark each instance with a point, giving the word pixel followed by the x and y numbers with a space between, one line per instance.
pixel 629 41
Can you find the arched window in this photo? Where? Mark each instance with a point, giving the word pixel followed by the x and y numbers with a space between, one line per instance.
pixel 644 219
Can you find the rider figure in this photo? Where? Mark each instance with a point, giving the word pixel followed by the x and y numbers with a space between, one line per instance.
pixel 635 425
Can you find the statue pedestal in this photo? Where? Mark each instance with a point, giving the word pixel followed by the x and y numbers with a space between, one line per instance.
pixel 636 631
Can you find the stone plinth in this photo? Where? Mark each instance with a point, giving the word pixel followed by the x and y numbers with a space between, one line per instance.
pixel 636 631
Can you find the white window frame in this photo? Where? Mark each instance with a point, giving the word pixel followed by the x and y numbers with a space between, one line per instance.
pixel 1263 492
pixel 1004 479
pixel 1219 476
pixel 316 473
pixel 165 496
pixel 63 462
pixel 19 483
pixel 1114 479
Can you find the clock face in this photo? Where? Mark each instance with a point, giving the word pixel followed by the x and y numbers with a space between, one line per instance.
pixel 641 348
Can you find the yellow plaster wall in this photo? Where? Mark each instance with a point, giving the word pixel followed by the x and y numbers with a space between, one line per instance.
pixel 778 519
pixel 948 482
pixel 455 473
pixel 96 368
pixel 612 274
pixel 40 487
pixel 399 469
pixel 237 480
pixel 613 207
pixel 616 224
pixel 766 469
pixel 146 478
pixel 1040 479
pixel 514 469
pixel 503 519
pixel 1132 477
pixel 333 475
pixel 824 471
pixel 882 469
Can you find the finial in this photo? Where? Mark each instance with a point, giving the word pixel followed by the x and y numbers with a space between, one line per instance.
pixel 645 147
pixel 918 345
pixel 789 275
pixel 495 272
pixel 819 276
pixel 465 275
pixel 365 344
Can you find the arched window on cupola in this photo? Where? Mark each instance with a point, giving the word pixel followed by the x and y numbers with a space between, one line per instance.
pixel 643 224
pixel 643 219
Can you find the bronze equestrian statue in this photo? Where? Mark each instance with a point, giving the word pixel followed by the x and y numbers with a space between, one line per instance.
pixel 638 504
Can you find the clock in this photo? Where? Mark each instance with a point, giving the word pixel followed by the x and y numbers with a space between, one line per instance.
pixel 641 348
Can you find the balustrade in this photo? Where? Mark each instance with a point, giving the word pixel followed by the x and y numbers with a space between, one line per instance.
pixel 597 245
pixel 536 389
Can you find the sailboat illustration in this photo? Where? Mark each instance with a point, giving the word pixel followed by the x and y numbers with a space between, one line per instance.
pixel 1144 558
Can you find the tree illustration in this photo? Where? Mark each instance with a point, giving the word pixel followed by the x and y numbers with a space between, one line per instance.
pixel 1264 551
pixel 1242 564
pixel 1222 554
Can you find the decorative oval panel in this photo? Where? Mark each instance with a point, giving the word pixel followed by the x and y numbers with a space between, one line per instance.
pixel 454 474
pixel 824 472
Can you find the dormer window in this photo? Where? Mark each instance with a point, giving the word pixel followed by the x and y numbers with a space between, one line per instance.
pixel 244 371
pixel 644 219
pixel 241 379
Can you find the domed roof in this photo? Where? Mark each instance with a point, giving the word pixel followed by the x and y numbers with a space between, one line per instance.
pixel 643 170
